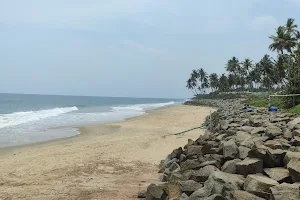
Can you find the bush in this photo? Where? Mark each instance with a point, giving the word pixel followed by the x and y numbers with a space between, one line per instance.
pixel 294 110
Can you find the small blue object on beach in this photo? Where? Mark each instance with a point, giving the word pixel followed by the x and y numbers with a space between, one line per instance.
pixel 273 109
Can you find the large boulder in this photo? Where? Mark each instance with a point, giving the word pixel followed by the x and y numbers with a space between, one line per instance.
pixel 189 186
pixel 190 164
pixel 294 169
pixel 279 174
pixel 274 158
pixel 259 185
pixel 249 166
pixel 230 149
pixel 176 153
pixel 258 130
pixel 289 156
pixel 273 131
pixel 202 174
pixel 243 152
pixel 241 136
pixel 156 192
pixel 201 193
pixel 222 183
pixel 173 190
pixel 285 191
pixel 243 195
pixel 230 166
pixel 194 150
pixel 291 125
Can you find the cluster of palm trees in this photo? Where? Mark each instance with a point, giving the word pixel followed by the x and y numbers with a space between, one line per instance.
pixel 282 73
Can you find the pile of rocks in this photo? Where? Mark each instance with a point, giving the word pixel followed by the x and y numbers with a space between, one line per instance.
pixel 250 156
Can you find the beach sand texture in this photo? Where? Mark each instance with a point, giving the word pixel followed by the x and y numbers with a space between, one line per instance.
pixel 110 161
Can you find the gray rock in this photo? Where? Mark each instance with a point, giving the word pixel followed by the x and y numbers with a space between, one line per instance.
pixel 169 162
pixel 230 166
pixel 222 183
pixel 293 123
pixel 155 192
pixel 278 174
pixel 285 191
pixel 296 132
pixel 230 149
pixel 194 149
pixel 273 144
pixel 249 166
pixel 294 169
pixel 295 141
pixel 202 174
pixel 189 186
pixel 274 158
pixel 247 129
pixel 248 143
pixel 174 168
pixel 221 137
pixel 243 195
pixel 258 130
pixel 289 156
pixel 243 152
pixel 241 136
pixel 273 131
pixel 200 193
pixel 182 158
pixel 190 164
pixel 259 185
pixel 233 125
pixel 183 196
pixel 173 190
pixel 176 153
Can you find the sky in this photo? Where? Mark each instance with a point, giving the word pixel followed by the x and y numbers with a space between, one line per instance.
pixel 132 48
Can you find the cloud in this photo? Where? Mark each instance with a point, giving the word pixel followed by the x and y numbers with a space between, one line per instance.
pixel 141 47
pixel 266 22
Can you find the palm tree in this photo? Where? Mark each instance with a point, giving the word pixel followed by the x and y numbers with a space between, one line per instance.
pixel 214 81
pixel 291 27
pixel 223 83
pixel 233 65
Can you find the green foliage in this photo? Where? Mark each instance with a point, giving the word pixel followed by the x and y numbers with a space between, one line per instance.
pixel 263 102
pixel 294 110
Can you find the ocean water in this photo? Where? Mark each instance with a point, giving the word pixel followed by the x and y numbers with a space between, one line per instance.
pixel 33 118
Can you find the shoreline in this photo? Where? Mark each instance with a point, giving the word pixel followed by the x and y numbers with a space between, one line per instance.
pixel 105 161
pixel 6 149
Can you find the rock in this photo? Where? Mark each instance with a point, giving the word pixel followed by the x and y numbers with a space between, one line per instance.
pixel 293 123
pixel 273 144
pixel 295 141
pixel 259 185
pixel 230 166
pixel 247 129
pixel 241 136
pixel 285 191
pixel 210 162
pixel 207 148
pixel 155 192
pixel 249 166
pixel 233 125
pixel 221 137
pixel 258 130
pixel 230 150
pixel 243 195
pixel 222 183
pixel 173 190
pixel 296 132
pixel 174 168
pixel 243 152
pixel 169 162
pixel 200 193
pixel 278 174
pixel 176 153
pixel 182 158
pixel 260 140
pixel 202 174
pixel 289 156
pixel 294 168
pixel 189 186
pixel 194 149
pixel 174 177
pixel 189 164
pixel 273 131
pixel 214 197
pixel 183 197
pixel 248 143
pixel 280 119
pixel 274 158
pixel 256 121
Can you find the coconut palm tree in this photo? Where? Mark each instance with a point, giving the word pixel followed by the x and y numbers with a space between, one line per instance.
pixel 233 65
pixel 214 81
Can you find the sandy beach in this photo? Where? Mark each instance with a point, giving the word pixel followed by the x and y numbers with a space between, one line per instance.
pixel 108 161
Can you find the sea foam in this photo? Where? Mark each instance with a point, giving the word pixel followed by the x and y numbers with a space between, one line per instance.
pixel 18 118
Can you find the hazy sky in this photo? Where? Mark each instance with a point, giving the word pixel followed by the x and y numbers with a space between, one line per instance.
pixel 141 48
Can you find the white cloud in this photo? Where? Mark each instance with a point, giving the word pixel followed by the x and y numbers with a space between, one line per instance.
pixel 141 47
pixel 266 22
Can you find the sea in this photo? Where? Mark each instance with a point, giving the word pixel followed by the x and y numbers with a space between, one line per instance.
pixel 26 118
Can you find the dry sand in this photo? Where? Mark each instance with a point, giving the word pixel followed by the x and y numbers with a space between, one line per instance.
pixel 110 161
